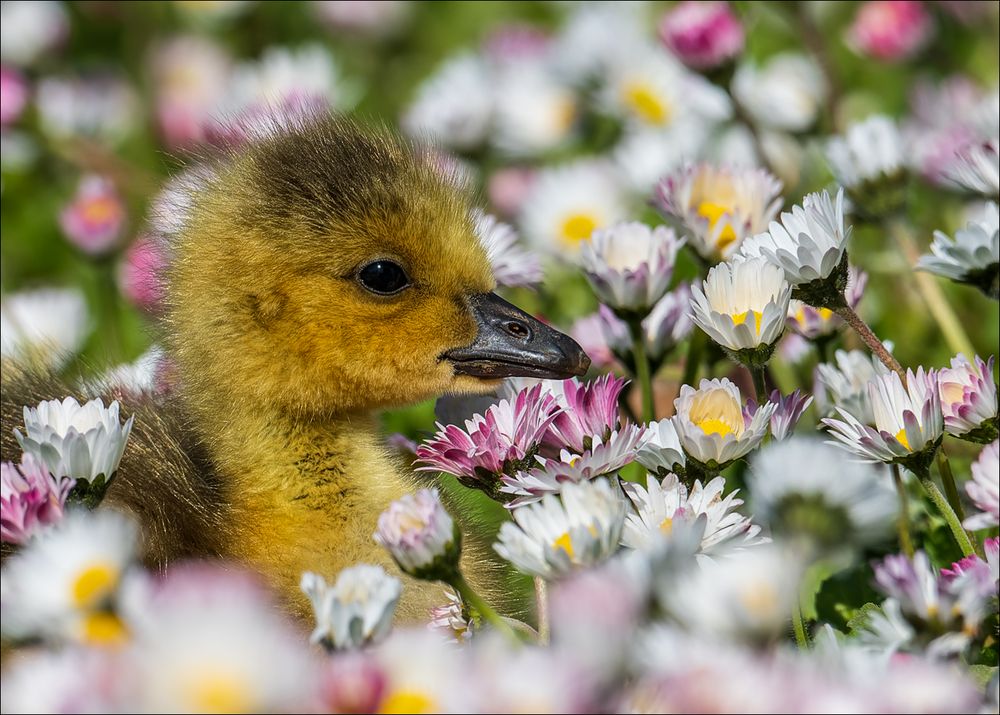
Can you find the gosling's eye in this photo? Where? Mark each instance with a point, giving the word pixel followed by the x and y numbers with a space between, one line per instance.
pixel 383 277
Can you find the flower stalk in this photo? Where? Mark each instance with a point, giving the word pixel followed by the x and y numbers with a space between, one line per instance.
pixel 870 339
pixel 542 606
pixel 643 374
pixel 480 606
pixel 954 523
pixel 903 520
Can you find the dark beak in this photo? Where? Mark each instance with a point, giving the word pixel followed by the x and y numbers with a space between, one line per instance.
pixel 510 343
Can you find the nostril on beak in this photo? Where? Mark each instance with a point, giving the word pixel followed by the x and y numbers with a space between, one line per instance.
pixel 517 329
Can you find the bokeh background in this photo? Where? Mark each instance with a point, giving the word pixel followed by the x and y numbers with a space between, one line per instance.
pixel 102 101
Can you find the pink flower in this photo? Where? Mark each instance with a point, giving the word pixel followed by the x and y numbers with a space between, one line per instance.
pixel 94 220
pixel 352 683
pixel 787 413
pixel 588 331
pixel 30 499
pixel 499 442
pixel 589 411
pixel 13 95
pixel 139 274
pixel 702 35
pixel 983 489
pixel 890 30
pixel 969 399
pixel 191 73
pixel 420 535
pixel 516 43
pixel 509 187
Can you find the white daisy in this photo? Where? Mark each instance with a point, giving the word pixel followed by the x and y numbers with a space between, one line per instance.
pixel 417 671
pixel 419 533
pixel 534 112
pixel 809 242
pixel 49 325
pixel 969 398
pixel 661 450
pixel 802 487
pixel 984 489
pixel 579 528
pixel 871 150
pixel 629 265
pixel 845 385
pixel 63 585
pixel 84 442
pixel 713 425
pixel 787 93
pixel 30 29
pixel 977 167
pixel 742 305
pixel 454 107
pixel 719 206
pixel 568 203
pixel 102 107
pixel 644 154
pixel 973 256
pixel 606 29
pixel 354 611
pixel 512 264
pixel 907 419
pixel 660 504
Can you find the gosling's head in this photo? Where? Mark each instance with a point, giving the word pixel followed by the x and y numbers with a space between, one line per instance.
pixel 328 268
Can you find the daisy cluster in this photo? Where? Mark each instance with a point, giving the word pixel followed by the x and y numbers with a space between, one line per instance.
pixel 754 502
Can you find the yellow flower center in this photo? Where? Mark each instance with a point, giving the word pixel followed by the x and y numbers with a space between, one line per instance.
pixel 952 392
pixel 103 629
pixel 760 600
pixel 409 523
pixel 407 701
pixel 741 318
pixel 565 543
pixel 94 584
pixel 565 115
pixel 219 692
pixel 824 314
pixel 578 227
pixel 714 213
pixel 99 210
pixel 644 101
pixel 667 526
pixel 901 438
pixel 716 412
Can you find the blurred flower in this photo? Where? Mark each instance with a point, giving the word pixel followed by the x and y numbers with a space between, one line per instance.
pixel 719 206
pixel 908 420
pixel 645 154
pixel 869 160
pixel 893 30
pixel 351 682
pixel 31 499
pixel 588 332
pixel 512 265
pixel 497 442
pixel 748 596
pixel 420 535
pixel 210 12
pixel 46 324
pixel 657 507
pixel 969 399
pixel 787 93
pixel 579 528
pixel 356 610
pixel 973 256
pixel 13 95
pixel 846 384
pixel 62 585
pixel 454 107
pixel 589 411
pixel 568 203
pixel 450 619
pixel 508 187
pixel 30 29
pixel 208 639
pixel 534 112
pixel 703 35
pixel 147 375
pixel 742 306
pixel 514 43
pixel 793 348
pixel 809 243
pixel 94 220
pixel 191 74
pixel 787 413
pixel 669 322
pixel 141 272
pixel 69 680
pixel 984 490
pixel 418 673
pixel 84 442
pixel 806 489
pixel 712 425
pixel 374 18
pixel 661 451
pixel 629 265
pixel 101 107
pixel 977 168
pixel 607 29
pixel 606 456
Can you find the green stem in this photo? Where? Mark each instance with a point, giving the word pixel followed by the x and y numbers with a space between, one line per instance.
pixel 542 604
pixel 696 347
pixel 759 384
pixel 903 522
pixel 799 626
pixel 948 513
pixel 484 609
pixel 950 488
pixel 642 373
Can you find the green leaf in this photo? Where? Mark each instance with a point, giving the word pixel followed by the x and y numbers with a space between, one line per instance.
pixel 844 595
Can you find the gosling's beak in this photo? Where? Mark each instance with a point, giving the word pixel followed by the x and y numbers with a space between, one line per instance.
pixel 510 343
